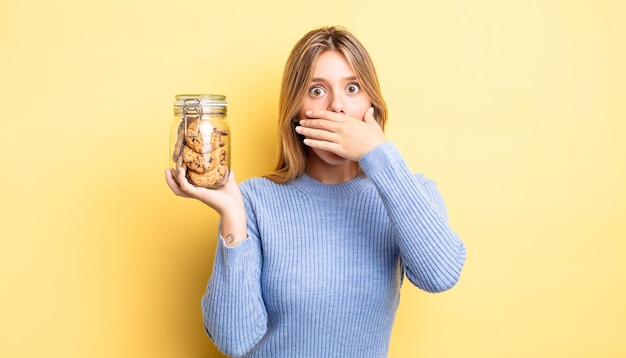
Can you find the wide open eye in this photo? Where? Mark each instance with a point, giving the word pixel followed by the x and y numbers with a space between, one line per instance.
pixel 316 91
pixel 353 88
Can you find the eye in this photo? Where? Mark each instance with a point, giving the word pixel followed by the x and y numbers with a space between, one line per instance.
pixel 353 88
pixel 316 91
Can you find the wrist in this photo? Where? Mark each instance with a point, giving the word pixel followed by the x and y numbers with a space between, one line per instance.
pixel 233 225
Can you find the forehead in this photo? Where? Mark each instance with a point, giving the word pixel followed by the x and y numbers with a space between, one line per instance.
pixel 332 63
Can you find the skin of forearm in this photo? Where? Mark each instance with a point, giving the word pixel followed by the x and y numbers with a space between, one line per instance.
pixel 234 226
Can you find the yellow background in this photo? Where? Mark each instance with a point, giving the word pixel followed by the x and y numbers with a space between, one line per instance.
pixel 515 108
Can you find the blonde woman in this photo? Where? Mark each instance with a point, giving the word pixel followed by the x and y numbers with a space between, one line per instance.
pixel 311 257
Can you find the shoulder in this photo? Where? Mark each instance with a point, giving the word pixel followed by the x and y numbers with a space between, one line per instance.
pixel 423 180
pixel 427 184
pixel 260 186
pixel 256 183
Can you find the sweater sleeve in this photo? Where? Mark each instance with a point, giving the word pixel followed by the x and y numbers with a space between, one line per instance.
pixel 234 313
pixel 432 253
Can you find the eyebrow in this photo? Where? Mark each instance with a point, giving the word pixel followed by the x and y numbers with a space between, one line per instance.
pixel 318 79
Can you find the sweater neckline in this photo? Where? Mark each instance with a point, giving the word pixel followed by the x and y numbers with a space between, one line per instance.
pixel 316 188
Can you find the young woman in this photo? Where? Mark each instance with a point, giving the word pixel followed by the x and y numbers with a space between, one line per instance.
pixel 311 257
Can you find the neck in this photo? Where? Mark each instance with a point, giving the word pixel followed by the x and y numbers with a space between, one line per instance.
pixel 327 173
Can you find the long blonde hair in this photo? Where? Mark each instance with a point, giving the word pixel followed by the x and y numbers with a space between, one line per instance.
pixel 292 153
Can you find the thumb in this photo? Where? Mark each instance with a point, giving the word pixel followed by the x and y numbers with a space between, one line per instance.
pixel 231 175
pixel 369 116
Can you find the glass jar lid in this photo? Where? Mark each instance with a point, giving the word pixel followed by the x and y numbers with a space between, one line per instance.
pixel 213 100
pixel 200 103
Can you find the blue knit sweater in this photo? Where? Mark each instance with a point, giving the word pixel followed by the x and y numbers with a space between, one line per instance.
pixel 321 270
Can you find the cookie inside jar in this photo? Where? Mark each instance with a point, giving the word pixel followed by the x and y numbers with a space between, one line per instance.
pixel 202 141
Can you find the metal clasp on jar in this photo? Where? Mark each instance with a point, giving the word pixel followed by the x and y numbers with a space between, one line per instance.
pixel 192 110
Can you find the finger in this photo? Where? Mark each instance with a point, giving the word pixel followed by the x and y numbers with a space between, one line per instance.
pixel 324 124
pixel 169 178
pixel 316 123
pixel 320 144
pixel 369 115
pixel 231 178
pixel 318 132
pixel 184 184
pixel 171 182
pixel 325 114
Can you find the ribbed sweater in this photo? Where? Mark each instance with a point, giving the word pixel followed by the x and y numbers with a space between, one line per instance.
pixel 320 272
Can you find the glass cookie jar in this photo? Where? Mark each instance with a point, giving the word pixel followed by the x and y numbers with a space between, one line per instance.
pixel 200 139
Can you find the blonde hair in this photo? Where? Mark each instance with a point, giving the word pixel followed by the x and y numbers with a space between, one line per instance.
pixel 292 153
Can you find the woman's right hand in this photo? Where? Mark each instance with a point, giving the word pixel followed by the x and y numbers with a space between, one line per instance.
pixel 227 201
pixel 222 199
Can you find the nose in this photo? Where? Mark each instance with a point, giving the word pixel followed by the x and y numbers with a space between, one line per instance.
pixel 336 103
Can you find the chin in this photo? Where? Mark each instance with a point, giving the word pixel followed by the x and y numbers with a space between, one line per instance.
pixel 332 158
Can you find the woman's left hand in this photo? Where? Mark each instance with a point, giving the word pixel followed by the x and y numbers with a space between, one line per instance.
pixel 341 134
